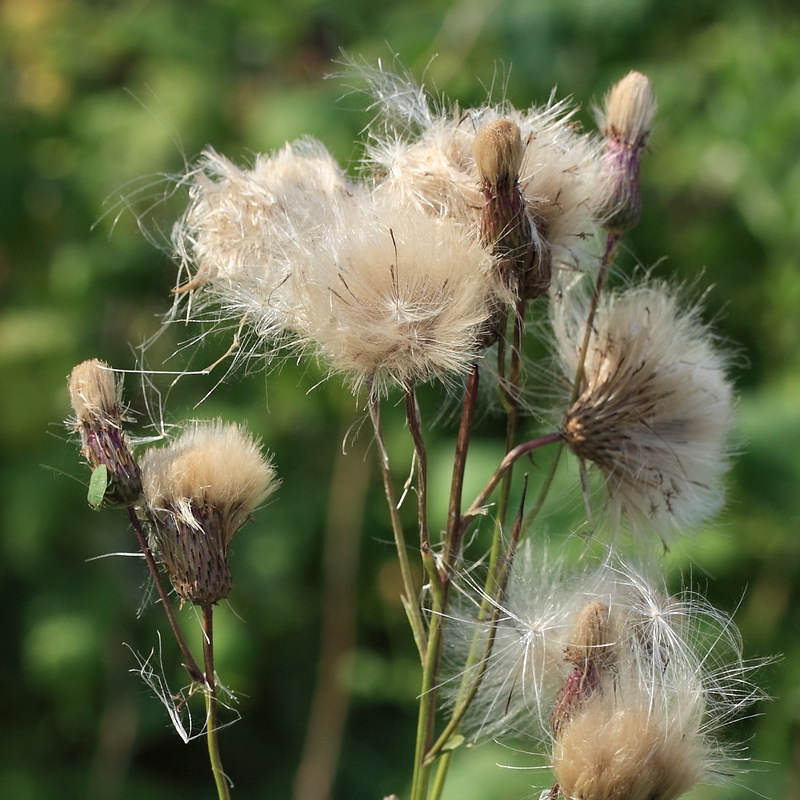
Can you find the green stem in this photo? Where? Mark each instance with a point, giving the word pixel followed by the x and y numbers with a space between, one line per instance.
pixel 409 599
pixel 212 724
pixel 441 775
pixel 427 702
pixel 469 688
pixel 479 504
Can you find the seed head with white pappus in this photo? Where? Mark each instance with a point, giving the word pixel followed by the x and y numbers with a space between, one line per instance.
pixel 395 297
pixel 428 157
pixel 198 492
pixel 237 238
pixel 627 685
pixel 654 410
pixel 95 397
pixel 645 727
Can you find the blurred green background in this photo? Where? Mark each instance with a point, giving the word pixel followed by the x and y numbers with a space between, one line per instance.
pixel 100 103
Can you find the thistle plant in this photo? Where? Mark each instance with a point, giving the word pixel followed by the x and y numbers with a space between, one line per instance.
pixel 468 233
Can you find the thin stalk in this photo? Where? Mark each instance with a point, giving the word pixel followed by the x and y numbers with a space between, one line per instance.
pixel 415 428
pixel 212 723
pixel 512 456
pixel 441 775
pixel 511 391
pixel 464 699
pixel 452 539
pixel 427 702
pixel 609 256
pixel 195 673
pixel 410 593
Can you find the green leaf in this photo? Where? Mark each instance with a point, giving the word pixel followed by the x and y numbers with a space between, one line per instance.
pixel 453 743
pixel 97 486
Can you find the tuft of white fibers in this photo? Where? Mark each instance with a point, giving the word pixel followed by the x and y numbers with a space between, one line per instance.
pixel 198 492
pixel 395 297
pixel 237 237
pixel 654 410
pixel 644 722
pixel 627 685
pixel 426 156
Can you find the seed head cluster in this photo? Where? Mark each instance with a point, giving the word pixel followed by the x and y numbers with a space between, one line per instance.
pixel 394 278
pixel 458 223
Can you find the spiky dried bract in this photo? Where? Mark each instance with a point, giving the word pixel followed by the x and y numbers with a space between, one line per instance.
pixel 626 122
pixel 396 296
pixel 95 396
pixel 429 159
pixel 237 237
pixel 655 409
pixel 198 492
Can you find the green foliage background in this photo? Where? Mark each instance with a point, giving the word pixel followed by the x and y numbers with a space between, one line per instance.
pixel 99 102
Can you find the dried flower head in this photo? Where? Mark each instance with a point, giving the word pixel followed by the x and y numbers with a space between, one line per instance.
pixel 237 238
pixel 654 411
pixel 627 684
pixel 626 121
pixel 95 397
pixel 440 159
pixel 646 726
pixel 505 225
pixel 395 297
pixel 198 492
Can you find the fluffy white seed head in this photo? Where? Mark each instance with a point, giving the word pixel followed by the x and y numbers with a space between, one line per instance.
pixel 236 239
pixel 627 684
pixel 427 157
pixel 396 296
pixel 198 492
pixel 655 409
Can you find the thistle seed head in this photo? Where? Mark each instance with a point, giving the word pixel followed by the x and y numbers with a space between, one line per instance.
pixel 655 410
pixel 198 492
pixel 396 297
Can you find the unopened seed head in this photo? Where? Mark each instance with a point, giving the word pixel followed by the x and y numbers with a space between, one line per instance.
pixel 498 152
pixel 593 637
pixel 95 398
pixel 93 391
pixel 630 106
